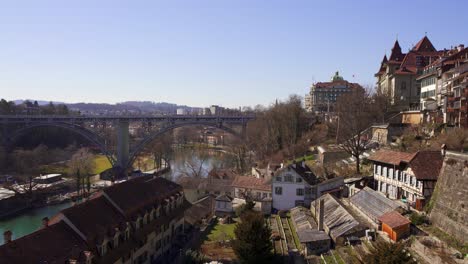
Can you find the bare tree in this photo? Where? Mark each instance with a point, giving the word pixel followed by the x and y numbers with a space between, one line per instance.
pixel 356 113
pixel 81 165
pixel 195 164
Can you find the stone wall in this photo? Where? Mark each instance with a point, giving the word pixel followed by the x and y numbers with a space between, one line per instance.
pixel 450 199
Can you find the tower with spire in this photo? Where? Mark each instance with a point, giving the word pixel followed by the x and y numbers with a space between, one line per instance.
pixel 397 73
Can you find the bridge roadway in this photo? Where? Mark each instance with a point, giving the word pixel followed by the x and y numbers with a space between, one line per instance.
pixel 125 155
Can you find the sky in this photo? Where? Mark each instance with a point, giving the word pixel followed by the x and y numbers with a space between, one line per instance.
pixel 203 52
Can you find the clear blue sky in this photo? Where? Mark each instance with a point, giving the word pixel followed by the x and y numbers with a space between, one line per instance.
pixel 199 52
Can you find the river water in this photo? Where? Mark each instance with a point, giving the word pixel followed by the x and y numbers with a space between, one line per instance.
pixel 182 163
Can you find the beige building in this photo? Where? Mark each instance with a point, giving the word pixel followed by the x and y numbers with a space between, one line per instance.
pixel 397 74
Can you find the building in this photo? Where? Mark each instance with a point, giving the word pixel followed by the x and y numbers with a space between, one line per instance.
pixel 443 84
pixel 323 95
pixel 385 134
pixel 201 212
pixel 313 240
pixel 137 221
pixel 296 185
pixel 408 176
pixel 372 204
pixel 397 76
pixel 48 179
pixel 338 223
pixel 256 189
pixel 197 188
pixel 395 225
pixel 331 154
pixel 181 111
pixel 224 205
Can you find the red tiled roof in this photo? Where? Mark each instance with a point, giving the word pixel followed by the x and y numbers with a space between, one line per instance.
pixel 95 218
pixel 133 195
pixel 393 219
pixel 424 45
pixel 249 182
pixel 396 54
pixel 391 157
pixel 426 165
pixel 55 244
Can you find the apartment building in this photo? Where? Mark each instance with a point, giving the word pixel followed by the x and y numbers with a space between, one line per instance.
pixel 137 221
pixel 408 176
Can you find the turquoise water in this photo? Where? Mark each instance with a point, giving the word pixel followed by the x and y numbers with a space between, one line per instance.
pixel 29 221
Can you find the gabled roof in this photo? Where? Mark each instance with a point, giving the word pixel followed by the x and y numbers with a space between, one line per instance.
pixel 425 164
pixel 134 195
pixel 396 54
pixel 56 243
pixel 250 182
pixel 394 219
pixel 337 219
pixel 372 203
pixel 424 45
pixel 391 157
pixel 95 218
pixel 303 170
pixel 224 198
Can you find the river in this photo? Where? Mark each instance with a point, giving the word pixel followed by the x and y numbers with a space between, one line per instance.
pixel 181 164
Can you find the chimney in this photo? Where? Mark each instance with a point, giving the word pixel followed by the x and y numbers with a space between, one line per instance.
pixel 45 222
pixel 7 236
pixel 281 165
pixel 321 214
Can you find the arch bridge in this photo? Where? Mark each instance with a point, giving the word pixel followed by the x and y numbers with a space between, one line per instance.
pixel 90 128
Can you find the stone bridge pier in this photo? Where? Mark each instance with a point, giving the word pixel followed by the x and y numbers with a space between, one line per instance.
pixel 123 143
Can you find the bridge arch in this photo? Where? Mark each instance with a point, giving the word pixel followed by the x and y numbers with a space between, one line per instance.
pixel 144 142
pixel 85 133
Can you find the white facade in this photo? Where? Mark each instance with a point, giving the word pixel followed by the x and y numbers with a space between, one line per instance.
pixel 290 190
pixel 396 183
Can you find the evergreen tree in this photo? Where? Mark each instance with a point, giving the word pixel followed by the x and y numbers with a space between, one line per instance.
pixel 252 244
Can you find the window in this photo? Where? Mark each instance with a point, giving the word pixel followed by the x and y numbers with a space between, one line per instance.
pixel 279 178
pixel 300 192
pixel 298 179
pixel 299 203
pixel 288 178
pixel 279 190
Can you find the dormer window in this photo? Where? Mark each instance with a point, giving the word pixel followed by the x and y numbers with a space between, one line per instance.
pixel 102 249
pixel 158 211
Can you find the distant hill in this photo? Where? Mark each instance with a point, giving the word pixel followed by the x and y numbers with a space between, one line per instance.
pixel 129 106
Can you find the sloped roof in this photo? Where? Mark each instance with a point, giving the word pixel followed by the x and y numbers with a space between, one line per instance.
pixel 426 165
pixel 338 221
pixel 394 219
pixel 249 182
pixel 55 244
pixel 224 198
pixel 391 157
pixel 396 54
pixel 303 170
pixel 200 209
pixel 134 195
pixel 424 45
pixel 372 203
pixel 305 225
pixel 95 218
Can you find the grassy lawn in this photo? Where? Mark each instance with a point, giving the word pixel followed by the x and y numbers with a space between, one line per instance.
pixel 214 246
pixel 101 163
pixel 222 232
